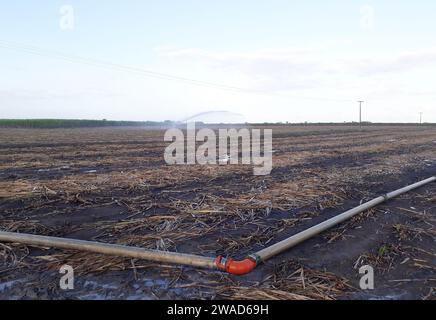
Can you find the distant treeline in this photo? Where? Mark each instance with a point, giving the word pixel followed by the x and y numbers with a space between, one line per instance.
pixel 64 123
pixel 60 123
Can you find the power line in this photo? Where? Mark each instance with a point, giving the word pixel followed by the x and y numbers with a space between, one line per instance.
pixel 158 75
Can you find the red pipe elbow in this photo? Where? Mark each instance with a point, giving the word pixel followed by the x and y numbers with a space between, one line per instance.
pixel 235 267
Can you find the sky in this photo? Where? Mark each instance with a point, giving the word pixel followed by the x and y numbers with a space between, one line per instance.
pixel 261 61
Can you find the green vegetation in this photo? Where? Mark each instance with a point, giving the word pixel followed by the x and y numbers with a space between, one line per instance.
pixel 59 123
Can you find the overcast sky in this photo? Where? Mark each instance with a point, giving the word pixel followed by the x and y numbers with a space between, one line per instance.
pixel 284 60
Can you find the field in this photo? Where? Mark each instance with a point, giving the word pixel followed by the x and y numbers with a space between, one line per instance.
pixel 112 185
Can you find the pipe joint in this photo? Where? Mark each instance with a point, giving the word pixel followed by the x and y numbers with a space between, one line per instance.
pixel 235 267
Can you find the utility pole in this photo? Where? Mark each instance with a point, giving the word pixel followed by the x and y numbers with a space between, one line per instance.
pixel 360 113
pixel 420 118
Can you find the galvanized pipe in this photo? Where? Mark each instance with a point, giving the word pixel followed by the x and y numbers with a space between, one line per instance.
pixel 109 249
pixel 292 241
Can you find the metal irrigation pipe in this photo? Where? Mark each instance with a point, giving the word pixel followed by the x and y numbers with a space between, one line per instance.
pixel 224 264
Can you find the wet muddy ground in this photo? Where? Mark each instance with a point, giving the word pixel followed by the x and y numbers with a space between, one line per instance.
pixel 112 185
